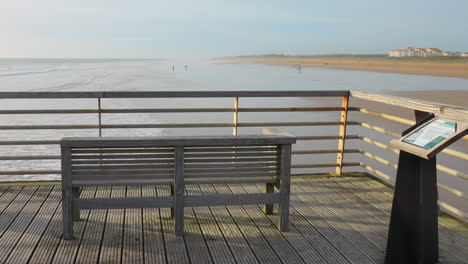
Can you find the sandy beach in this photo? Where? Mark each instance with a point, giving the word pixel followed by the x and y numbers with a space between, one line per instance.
pixel 448 69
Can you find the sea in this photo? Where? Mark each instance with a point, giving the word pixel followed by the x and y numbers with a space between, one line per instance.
pixel 65 75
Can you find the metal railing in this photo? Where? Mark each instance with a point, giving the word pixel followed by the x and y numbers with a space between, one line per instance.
pixel 341 122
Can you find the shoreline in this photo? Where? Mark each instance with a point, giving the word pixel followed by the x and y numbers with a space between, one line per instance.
pixel 441 69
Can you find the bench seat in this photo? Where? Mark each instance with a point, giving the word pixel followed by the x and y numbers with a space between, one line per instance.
pixel 176 162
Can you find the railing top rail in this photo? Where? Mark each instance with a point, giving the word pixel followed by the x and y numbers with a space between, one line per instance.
pixel 452 111
pixel 170 94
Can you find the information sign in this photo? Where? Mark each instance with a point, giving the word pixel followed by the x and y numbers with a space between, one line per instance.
pixel 431 137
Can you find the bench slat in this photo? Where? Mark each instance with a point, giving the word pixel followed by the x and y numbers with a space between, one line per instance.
pixel 231 165
pixel 231 149
pixel 120 167
pixel 121 150
pixel 231 199
pixel 228 170
pixel 121 172
pixel 123 161
pixel 234 154
pixel 116 182
pixel 125 202
pixel 233 160
pixel 233 180
pixel 123 156
pixel 127 177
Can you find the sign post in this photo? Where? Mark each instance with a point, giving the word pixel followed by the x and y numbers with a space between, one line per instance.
pixel 413 232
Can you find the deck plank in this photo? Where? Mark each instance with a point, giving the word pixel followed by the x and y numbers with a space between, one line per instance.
pixel 351 226
pixel 14 207
pixel 90 246
pixel 332 220
pixel 176 251
pixel 257 242
pixel 194 240
pixel 154 251
pixel 381 215
pixel 133 233
pixel 372 228
pixel 8 196
pixel 219 249
pixel 452 245
pixel 28 242
pixel 280 245
pixel 17 228
pixel 49 241
pixel 387 192
pixel 67 249
pixel 237 243
pixel 325 224
pixel 111 248
pixel 3 189
pixel 383 203
pixel 305 245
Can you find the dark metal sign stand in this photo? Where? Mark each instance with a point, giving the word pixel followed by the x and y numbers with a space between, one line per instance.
pixel 413 233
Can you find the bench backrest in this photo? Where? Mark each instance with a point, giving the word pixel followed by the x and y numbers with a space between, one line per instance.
pixel 140 161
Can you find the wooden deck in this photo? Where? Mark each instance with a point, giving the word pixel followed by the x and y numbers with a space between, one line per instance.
pixel 333 220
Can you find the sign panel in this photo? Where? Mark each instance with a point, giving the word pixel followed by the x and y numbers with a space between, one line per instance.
pixel 432 134
pixel 428 139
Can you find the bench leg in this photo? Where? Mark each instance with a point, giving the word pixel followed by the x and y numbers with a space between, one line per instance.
pixel 179 187
pixel 67 214
pixel 284 208
pixel 269 188
pixel 76 210
pixel 172 194
pixel 285 188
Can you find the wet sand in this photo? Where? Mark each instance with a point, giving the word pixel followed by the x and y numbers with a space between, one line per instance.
pixel 447 69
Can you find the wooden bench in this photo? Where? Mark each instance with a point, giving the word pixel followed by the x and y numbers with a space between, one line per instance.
pixel 176 161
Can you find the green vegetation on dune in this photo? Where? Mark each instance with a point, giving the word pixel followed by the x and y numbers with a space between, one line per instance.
pixel 366 57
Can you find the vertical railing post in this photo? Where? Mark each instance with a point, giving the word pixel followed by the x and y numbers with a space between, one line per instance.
pixel 341 141
pixel 99 117
pixel 236 115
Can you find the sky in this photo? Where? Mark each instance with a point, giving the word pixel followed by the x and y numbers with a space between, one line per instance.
pixel 213 28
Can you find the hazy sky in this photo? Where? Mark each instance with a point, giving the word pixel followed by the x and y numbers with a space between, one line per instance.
pixel 208 28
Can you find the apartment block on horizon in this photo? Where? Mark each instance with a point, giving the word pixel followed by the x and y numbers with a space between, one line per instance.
pixel 423 52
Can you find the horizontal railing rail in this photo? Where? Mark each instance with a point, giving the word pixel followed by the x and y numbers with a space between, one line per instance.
pixel 171 94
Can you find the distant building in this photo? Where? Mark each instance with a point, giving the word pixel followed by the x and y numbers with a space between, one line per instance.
pixel 397 53
pixel 421 52
pixel 465 54
pixel 433 52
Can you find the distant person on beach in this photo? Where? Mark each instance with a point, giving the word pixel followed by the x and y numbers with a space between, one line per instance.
pixel 186 67
pixel 173 68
